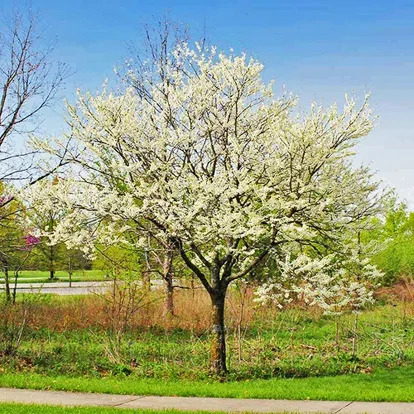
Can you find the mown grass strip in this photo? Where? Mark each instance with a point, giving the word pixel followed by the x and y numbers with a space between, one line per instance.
pixel 44 409
pixel 393 385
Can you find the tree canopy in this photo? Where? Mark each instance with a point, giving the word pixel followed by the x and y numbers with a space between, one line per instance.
pixel 205 157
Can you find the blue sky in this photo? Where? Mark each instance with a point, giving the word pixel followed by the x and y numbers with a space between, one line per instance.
pixel 318 49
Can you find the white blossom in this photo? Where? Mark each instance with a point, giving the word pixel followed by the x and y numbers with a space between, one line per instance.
pixel 209 158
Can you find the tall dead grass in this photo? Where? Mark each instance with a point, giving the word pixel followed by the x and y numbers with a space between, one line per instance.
pixel 192 311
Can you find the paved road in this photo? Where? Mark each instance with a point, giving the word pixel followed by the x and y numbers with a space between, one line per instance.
pixel 210 404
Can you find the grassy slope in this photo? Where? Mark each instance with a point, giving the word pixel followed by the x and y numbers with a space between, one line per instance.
pixel 393 385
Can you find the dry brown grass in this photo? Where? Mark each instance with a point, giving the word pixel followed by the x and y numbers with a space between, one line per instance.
pixel 403 290
pixel 192 310
pixel 191 307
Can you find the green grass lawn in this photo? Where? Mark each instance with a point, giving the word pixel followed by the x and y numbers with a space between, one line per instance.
pixel 384 385
pixel 44 409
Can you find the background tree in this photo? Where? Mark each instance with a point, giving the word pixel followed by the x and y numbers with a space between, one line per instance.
pixel 211 161
pixel 29 82
pixel 16 242
pixel 74 259
pixel 115 259
pixel 47 255
pixel 396 232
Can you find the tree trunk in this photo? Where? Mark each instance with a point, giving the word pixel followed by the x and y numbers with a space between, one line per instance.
pixel 70 269
pixel 169 296
pixel 218 344
pixel 169 283
pixel 51 264
pixel 16 276
pixel 147 281
pixel 146 274
pixel 7 284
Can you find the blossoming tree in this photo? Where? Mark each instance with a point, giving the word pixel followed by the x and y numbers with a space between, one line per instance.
pixel 209 160
pixel 336 282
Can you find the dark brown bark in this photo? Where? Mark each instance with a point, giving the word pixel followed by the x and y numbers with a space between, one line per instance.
pixel 70 269
pixel 16 276
pixel 218 344
pixel 52 262
pixel 167 275
pixel 7 284
pixel 146 274
pixel 169 296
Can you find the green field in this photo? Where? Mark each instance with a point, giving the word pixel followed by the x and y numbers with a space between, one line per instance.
pixel 42 276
